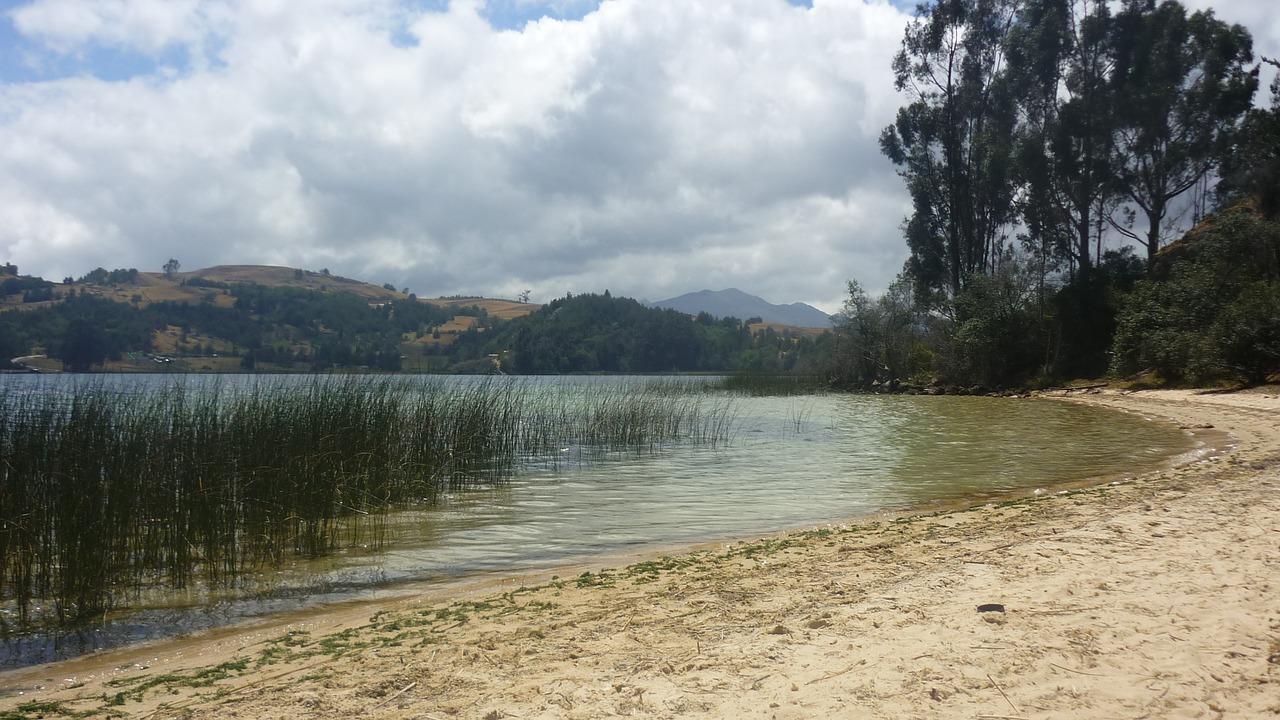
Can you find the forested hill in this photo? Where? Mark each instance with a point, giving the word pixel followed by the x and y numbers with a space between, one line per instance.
pixel 225 318
pixel 600 333
pixel 249 318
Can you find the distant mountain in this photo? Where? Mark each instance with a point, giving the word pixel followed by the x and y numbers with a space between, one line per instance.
pixel 735 303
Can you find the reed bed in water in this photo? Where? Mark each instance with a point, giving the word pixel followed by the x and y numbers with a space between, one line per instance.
pixel 768 384
pixel 108 491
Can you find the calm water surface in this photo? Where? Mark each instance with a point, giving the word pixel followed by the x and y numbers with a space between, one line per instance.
pixel 789 462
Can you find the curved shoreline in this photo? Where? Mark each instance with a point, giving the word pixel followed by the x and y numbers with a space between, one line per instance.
pixel 1144 596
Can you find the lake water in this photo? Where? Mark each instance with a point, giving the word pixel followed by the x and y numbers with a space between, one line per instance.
pixel 788 462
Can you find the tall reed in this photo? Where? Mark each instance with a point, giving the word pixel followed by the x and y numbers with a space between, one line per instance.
pixel 762 384
pixel 107 491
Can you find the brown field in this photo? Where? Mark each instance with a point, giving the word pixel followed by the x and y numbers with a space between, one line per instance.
pixel 274 276
pixel 501 309
pixel 805 332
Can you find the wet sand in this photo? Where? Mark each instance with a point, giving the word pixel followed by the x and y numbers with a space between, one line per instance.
pixel 1156 596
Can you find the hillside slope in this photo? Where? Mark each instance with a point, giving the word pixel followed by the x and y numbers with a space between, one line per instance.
pixel 230 317
pixel 736 303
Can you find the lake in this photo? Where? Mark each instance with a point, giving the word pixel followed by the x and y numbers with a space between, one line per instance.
pixel 783 462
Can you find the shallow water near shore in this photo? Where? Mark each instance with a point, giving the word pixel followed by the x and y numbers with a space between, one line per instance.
pixel 789 462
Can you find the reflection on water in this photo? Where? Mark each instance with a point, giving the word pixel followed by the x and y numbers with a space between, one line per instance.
pixel 791 462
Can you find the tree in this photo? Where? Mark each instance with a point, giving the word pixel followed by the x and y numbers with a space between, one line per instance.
pixel 1060 61
pixel 953 141
pixel 997 336
pixel 171 268
pixel 1179 86
pixel 1252 168
pixel 877 340
pixel 83 345
pixel 856 329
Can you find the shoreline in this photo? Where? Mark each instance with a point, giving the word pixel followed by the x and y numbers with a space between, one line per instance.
pixel 1150 595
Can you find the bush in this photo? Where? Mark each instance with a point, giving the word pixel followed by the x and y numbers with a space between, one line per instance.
pixel 1247 333
pixel 1211 309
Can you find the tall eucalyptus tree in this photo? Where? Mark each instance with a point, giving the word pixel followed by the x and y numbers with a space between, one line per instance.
pixel 1057 121
pixel 1060 60
pixel 952 142
pixel 1180 85
pixel 1252 167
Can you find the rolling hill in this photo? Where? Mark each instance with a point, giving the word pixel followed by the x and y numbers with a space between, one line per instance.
pixel 736 303
pixel 233 318
pixel 227 317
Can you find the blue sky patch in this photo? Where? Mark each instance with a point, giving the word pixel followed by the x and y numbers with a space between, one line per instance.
pixel 24 60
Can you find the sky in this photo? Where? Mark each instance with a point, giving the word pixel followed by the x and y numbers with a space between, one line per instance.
pixel 463 147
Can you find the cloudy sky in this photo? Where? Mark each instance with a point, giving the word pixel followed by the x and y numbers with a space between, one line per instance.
pixel 648 147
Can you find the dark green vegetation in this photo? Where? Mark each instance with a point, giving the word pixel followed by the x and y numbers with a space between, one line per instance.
pixel 1035 131
pixel 110 492
pixel 599 333
pixel 297 328
pixel 1212 306
pixel 281 327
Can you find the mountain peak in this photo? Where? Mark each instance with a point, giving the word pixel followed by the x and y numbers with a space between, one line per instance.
pixel 733 302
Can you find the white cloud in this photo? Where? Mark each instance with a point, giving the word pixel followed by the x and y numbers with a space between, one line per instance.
pixel 654 147
pixel 148 26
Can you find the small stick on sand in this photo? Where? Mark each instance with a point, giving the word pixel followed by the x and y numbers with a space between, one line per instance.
pixel 828 676
pixel 406 689
pixel 1006 697
pixel 1078 672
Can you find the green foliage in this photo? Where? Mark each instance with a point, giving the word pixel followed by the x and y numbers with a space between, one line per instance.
pixel 1049 117
pixel 276 325
pixel 342 330
pixel 1006 328
pixel 1246 333
pixel 29 286
pixel 206 283
pixel 83 330
pixel 1181 85
pixel 1084 315
pixel 599 333
pixel 271 327
pixel 997 335
pixel 878 341
pixel 1212 308
pixel 1031 130
pixel 102 276
pixel 1252 167
pixel 952 140
pixel 83 346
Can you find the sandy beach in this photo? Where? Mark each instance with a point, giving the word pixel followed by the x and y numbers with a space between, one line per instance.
pixel 1155 596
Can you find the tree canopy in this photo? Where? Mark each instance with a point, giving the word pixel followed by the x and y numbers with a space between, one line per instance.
pixel 1039 138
